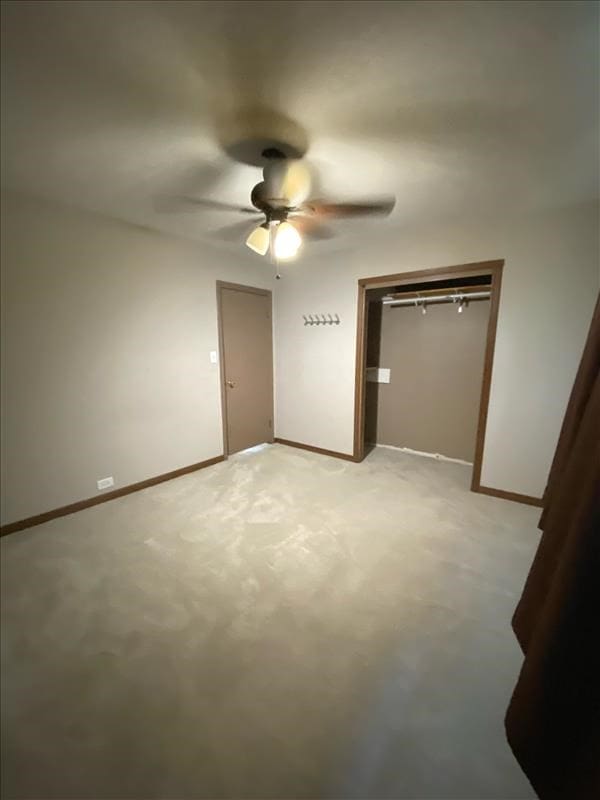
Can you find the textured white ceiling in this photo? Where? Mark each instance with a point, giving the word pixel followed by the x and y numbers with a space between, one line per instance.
pixel 457 108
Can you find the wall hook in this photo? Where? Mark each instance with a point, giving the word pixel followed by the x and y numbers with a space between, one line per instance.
pixel 321 319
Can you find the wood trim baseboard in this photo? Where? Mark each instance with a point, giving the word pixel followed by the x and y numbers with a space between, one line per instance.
pixel 514 496
pixel 38 519
pixel 320 450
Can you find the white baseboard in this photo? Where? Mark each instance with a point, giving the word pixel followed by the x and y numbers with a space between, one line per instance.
pixel 437 456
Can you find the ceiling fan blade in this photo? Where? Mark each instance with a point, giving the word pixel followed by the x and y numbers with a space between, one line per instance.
pixel 184 181
pixel 202 202
pixel 173 204
pixel 311 227
pixel 321 208
pixel 236 232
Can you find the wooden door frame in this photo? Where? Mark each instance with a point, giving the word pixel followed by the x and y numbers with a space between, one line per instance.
pixel 250 290
pixel 491 268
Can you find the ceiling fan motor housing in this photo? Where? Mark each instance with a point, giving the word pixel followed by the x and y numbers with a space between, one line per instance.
pixel 256 135
pixel 274 209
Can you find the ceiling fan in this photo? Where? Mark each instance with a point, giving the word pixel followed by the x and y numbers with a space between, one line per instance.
pixel 282 199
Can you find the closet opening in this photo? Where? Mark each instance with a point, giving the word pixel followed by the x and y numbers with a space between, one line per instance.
pixel 425 346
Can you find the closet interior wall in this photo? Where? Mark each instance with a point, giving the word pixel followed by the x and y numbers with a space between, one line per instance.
pixel 436 360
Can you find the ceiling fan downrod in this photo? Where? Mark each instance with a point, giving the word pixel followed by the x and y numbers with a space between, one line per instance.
pixel 272 153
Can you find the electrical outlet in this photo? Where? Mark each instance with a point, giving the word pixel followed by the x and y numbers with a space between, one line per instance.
pixel 104 483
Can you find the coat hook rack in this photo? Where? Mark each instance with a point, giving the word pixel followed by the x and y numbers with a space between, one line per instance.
pixel 321 319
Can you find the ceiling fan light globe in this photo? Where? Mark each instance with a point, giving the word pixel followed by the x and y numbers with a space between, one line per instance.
pixel 259 240
pixel 287 241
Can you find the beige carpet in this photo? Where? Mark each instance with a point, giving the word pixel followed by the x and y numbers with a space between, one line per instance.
pixel 282 625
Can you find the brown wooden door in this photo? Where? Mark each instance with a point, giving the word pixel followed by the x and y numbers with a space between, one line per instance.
pixel 246 366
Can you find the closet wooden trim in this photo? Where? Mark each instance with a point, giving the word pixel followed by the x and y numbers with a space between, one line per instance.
pixel 491 268
pixel 486 382
pixel 436 274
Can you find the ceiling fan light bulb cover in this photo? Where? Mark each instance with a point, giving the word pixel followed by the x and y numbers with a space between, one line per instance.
pixel 287 241
pixel 259 240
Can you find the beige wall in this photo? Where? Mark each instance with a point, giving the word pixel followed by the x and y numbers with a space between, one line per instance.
pixel 550 283
pixel 106 333
pixel 436 361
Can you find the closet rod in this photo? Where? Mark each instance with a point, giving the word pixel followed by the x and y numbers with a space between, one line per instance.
pixel 438 298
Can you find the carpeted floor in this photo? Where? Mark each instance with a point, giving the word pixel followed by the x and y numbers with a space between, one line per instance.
pixel 281 625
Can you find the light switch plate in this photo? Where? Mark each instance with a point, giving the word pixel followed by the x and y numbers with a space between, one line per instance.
pixel 378 375
pixel 213 356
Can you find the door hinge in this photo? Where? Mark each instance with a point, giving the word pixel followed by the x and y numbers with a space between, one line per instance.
pixel 270 423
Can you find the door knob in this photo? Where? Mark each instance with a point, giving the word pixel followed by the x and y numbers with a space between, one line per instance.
pixel 231 384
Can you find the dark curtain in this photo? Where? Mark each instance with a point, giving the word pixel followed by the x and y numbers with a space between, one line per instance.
pixel 553 720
